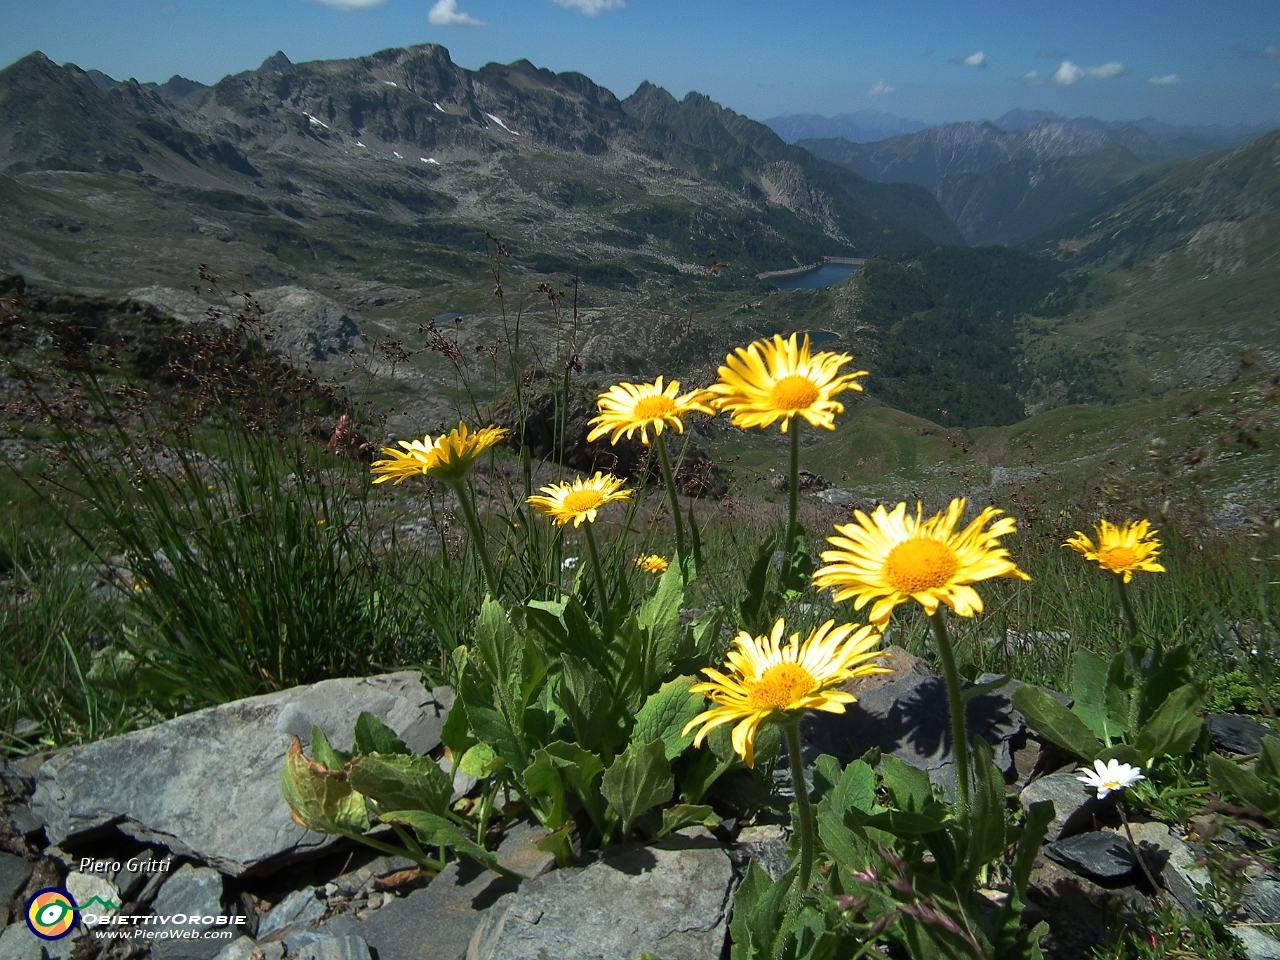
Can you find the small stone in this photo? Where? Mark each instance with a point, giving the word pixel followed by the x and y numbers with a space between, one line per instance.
pixel 19 943
pixel 14 872
pixel 1098 854
pixel 1261 901
pixel 299 907
pixel 330 889
pixel 356 881
pixel 25 823
pixel 1173 861
pixel 334 948
pixel 1230 731
pixel 1257 945
pixel 94 894
pixel 375 901
pixel 770 855
pixel 1073 803
pixel 148 865
pixel 762 834
pixel 190 891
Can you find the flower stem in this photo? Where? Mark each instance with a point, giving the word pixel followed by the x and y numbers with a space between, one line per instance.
pixel 477 534
pixel 669 478
pixel 597 569
pixel 793 488
pixel 804 813
pixel 959 739
pixel 1136 852
pixel 1128 610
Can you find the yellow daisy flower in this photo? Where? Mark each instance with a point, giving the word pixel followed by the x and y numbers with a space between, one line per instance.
pixel 628 407
pixel 652 563
pixel 898 557
pixel 579 500
pixel 768 681
pixel 768 381
pixel 1122 550
pixel 448 458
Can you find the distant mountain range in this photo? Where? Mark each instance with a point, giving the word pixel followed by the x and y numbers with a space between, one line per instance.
pixel 388 170
pixel 1029 172
pixel 861 126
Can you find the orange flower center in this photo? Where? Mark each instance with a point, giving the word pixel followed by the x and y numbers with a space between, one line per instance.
pixel 582 501
pixel 914 566
pixel 780 687
pixel 654 408
pixel 1118 559
pixel 793 393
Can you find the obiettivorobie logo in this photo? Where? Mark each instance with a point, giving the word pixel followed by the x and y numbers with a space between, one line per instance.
pixel 51 912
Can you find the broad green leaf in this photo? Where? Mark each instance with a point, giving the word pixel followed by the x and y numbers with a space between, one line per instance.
pixel 751 606
pixel 455 733
pixel 1053 721
pixel 856 789
pixel 826 774
pixel 496 645
pixel 909 787
pixel 759 907
pixel 1122 753
pixel 1121 704
pixel 637 781
pixel 842 836
pixel 320 799
pixel 1089 689
pixel 559 843
pixel 660 616
pixel 585 697
pixel 986 828
pixel 1174 727
pixel 686 815
pixel 902 823
pixel 489 725
pixel 1227 778
pixel 374 736
pixel 702 638
pixel 480 762
pixel 1169 672
pixel 323 753
pixel 1268 765
pixel 401 781
pixel 665 714
pixel 1034 828
pixel 557 769
pixel 710 762
pixel 436 831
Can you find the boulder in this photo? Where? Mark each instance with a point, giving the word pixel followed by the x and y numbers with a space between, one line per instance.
pixel 307 325
pixel 192 892
pixel 1261 901
pixel 670 900
pixel 1074 804
pixel 1097 854
pixel 1230 731
pixel 1173 861
pixel 1257 945
pixel 19 943
pixel 206 785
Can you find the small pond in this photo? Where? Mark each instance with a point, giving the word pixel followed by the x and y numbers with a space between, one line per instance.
pixel 827 275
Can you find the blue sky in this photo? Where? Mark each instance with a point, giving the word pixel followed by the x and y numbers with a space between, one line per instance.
pixel 1184 61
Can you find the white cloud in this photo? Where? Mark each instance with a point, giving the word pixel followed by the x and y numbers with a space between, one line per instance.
pixel 589 8
pixel 1165 81
pixel 446 14
pixel 978 60
pixel 1032 78
pixel 879 89
pixel 351 4
pixel 1068 73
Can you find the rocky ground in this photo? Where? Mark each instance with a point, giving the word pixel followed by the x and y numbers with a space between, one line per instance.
pixel 186 818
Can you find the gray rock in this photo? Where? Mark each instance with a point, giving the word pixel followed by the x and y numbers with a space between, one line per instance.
pixel 300 906
pixel 1238 734
pixel 1261 901
pixel 670 900
pixel 19 943
pixel 25 823
pixel 244 948
pixel 1097 854
pixel 206 785
pixel 190 892
pixel 1257 945
pixel 1173 861
pixel 308 325
pixel 348 884
pixel 771 855
pixel 1073 803
pixel 909 719
pixel 334 948
pixel 15 780
pixel 14 872
pixel 93 894
pixel 148 864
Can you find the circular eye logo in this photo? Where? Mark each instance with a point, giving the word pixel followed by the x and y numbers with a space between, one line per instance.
pixel 51 913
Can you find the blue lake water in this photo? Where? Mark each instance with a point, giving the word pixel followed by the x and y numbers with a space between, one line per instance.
pixel 816 337
pixel 448 317
pixel 827 275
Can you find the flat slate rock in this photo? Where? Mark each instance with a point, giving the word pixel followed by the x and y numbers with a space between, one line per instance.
pixel 1257 944
pixel 207 785
pixel 1074 804
pixel 1097 854
pixel 1261 901
pixel 1173 860
pixel 909 719
pixel 671 900
pixel 1230 731
pixel 14 872
pixel 194 892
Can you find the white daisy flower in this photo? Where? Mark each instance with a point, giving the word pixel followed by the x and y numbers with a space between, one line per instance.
pixel 1110 777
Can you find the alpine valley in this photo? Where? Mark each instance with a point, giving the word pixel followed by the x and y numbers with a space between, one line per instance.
pixel 1113 324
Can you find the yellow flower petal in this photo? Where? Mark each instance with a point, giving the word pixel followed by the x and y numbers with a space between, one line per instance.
pixel 580 500
pixel 1121 550
pixel 628 407
pixel 448 458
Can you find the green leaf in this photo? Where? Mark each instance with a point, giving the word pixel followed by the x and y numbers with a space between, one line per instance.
pixel 480 762
pixel 1169 671
pixel 856 789
pixel 454 734
pixel 978 689
pixel 1122 753
pixel 436 831
pixel 496 645
pixel 666 713
pixel 585 697
pixel 559 843
pixel 902 823
pixel 401 781
pixel 752 605
pixel 759 907
pixel 1089 689
pixel 1268 765
pixel 1174 727
pixel 685 815
pixel 489 725
pixel 1053 721
pixel 660 616
pixel 909 787
pixel 557 769
pixel 324 754
pixel 826 774
pixel 1035 826
pixel 1226 777
pixel 710 763
pixel 1121 703
pixel 320 799
pixel 986 828
pixel 374 736
pixel 637 781
pixel 848 846
pixel 694 560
